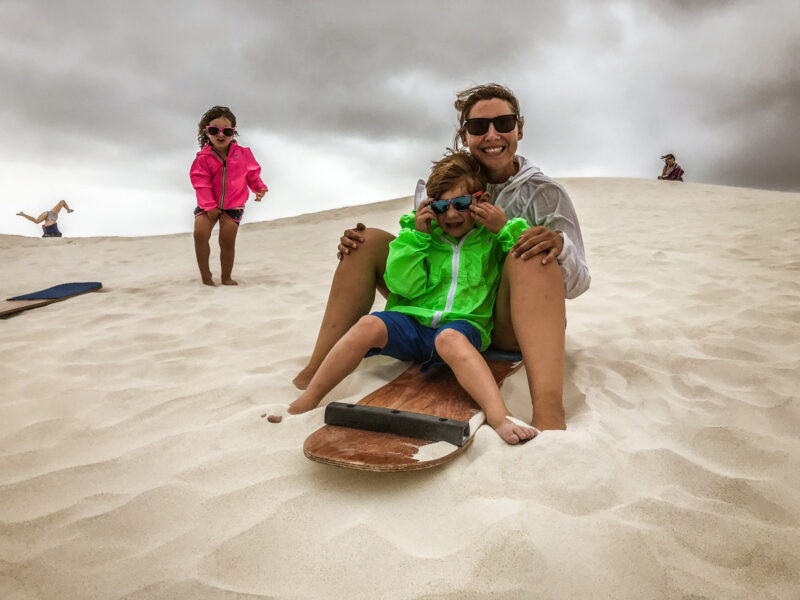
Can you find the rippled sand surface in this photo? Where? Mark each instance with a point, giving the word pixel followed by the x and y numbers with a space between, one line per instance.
pixel 135 462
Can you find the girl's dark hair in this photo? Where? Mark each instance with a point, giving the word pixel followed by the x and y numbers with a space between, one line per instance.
pixel 215 112
pixel 452 169
pixel 468 98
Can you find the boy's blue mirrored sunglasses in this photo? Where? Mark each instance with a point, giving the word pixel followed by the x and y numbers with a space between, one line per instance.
pixel 461 203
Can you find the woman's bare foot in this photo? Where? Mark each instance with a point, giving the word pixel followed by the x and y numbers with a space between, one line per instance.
pixel 302 379
pixel 549 415
pixel 295 408
pixel 513 431
pixel 229 282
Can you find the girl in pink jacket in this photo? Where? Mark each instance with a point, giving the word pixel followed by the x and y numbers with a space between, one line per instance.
pixel 223 174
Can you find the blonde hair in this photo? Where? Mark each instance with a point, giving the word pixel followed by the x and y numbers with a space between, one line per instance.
pixel 453 168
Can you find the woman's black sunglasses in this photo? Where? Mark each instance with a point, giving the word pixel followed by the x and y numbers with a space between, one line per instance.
pixel 226 131
pixel 502 124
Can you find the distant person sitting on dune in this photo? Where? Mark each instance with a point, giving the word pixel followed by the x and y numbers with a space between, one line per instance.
pixel 49 229
pixel 672 170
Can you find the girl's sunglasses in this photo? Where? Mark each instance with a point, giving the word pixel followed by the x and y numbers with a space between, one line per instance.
pixel 461 203
pixel 226 131
pixel 502 124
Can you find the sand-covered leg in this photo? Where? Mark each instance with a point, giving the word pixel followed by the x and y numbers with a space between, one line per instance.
pixel 351 296
pixel 203 224
pixel 228 228
pixel 529 317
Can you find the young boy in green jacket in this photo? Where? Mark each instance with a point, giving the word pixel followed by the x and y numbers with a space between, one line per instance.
pixel 443 271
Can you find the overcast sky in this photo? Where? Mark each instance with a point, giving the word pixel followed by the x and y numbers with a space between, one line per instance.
pixel 347 102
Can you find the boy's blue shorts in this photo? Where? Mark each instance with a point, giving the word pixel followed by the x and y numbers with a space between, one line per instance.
pixel 409 340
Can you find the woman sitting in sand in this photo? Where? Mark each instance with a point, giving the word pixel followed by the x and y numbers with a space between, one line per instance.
pixel 50 228
pixel 671 171
pixel 546 265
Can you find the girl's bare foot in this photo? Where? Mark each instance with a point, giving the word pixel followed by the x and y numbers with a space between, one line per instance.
pixel 513 431
pixel 229 282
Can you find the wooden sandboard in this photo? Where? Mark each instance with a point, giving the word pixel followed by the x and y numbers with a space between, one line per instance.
pixel 47 296
pixel 437 394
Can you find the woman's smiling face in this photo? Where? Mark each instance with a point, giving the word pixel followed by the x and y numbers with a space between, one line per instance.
pixel 494 150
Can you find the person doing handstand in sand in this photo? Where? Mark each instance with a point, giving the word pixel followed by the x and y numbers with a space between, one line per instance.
pixel 50 228
pixel 443 271
pixel 222 175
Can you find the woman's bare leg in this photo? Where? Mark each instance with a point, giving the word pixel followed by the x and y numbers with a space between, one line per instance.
pixel 228 228
pixel 203 224
pixel 351 296
pixel 370 332
pixel 530 317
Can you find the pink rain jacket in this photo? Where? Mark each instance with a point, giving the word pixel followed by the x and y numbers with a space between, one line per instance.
pixel 225 183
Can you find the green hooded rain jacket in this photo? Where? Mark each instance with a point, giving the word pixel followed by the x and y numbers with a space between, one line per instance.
pixel 438 279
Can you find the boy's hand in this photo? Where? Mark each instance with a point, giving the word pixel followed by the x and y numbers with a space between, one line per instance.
pixel 424 216
pixel 260 195
pixel 490 216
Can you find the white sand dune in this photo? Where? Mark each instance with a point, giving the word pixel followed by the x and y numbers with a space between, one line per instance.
pixel 135 462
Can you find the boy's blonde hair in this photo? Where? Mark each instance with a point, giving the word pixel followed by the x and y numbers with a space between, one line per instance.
pixel 455 168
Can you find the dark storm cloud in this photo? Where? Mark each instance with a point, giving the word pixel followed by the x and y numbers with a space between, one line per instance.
pixel 600 85
pixel 299 66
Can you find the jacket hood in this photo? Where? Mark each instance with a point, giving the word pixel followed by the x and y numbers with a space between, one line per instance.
pixel 209 149
pixel 527 170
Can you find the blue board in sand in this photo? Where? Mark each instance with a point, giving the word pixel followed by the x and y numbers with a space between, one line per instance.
pixel 47 296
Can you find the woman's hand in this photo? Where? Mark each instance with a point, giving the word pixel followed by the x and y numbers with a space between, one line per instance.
pixel 536 240
pixel 350 240
pixel 490 216
pixel 424 216
pixel 260 195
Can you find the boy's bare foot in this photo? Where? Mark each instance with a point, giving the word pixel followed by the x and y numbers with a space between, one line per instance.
pixel 513 431
pixel 229 282
pixel 207 279
pixel 69 210
pixel 20 213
